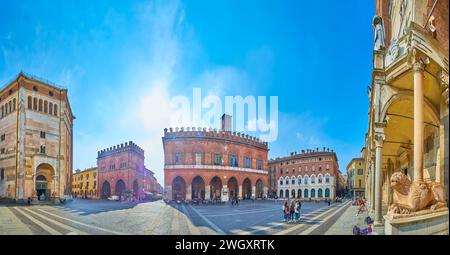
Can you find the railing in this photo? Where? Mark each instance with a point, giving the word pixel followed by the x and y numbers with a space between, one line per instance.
pixel 34 77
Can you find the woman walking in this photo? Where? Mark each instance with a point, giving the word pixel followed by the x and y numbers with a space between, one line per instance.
pixel 291 211
pixel 285 211
pixel 297 211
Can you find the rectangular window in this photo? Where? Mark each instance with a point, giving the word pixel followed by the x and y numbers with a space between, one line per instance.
pixel 42 134
pixel 178 158
pixel 359 184
pixel 3 137
pixel 42 149
pixel 198 158
pixel 260 164
pixel 2 151
pixel 218 159
pixel 360 172
pixel 123 164
pixel 95 184
pixel 233 161
pixel 248 162
pixel 2 174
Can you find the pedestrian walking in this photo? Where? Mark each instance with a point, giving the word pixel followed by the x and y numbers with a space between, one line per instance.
pixel 237 201
pixel 329 201
pixel 285 211
pixel 297 211
pixel 291 211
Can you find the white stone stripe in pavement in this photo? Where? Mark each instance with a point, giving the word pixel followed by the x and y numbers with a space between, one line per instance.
pixel 67 227
pixel 39 223
pixel 288 230
pixel 239 213
pixel 214 226
pixel 194 230
pixel 86 225
pixel 314 227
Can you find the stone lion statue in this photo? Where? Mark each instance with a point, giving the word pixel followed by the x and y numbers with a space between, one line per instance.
pixel 415 196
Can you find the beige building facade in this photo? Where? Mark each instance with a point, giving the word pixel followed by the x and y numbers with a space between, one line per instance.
pixel 408 114
pixel 36 124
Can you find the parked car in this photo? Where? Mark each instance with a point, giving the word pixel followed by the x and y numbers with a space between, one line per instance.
pixel 114 198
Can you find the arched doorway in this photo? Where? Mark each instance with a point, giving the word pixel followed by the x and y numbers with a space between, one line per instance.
pixel 259 189
pixel 42 190
pixel 299 193
pixel 286 193
pixel 216 188
pixel 293 193
pixel 327 192
pixel 120 188
pixel 178 188
pixel 44 181
pixel 319 193
pixel 135 188
pixel 232 187
pixel 106 190
pixel 246 189
pixel 306 193
pixel 281 193
pixel 313 193
pixel 198 188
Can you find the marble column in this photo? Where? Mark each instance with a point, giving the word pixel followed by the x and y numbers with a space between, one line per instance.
pixel 418 68
pixel 378 178
pixel 253 192
pixel 240 195
pixel 372 188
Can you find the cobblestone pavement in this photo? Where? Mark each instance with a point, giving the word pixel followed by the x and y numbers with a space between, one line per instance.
pixel 263 217
pixel 98 218
pixel 101 217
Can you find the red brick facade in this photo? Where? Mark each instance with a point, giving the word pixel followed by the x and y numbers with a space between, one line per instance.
pixel 214 165
pixel 121 169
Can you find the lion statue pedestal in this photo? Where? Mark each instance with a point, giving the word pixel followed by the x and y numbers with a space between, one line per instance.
pixel 420 208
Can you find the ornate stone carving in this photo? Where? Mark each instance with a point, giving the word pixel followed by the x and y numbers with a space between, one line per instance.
pixel 417 60
pixel 415 198
pixel 394 49
pixel 442 77
pixel 379 33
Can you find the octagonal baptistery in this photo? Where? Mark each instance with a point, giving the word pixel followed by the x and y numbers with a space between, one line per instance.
pixel 203 164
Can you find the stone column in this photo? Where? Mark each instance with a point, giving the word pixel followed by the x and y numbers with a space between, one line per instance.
pixel 253 192
pixel 208 192
pixel 188 192
pixel 265 190
pixel 372 188
pixel 240 192
pixel 418 68
pixel 378 178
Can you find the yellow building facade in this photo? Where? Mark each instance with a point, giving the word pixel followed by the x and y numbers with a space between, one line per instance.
pixel 356 182
pixel 85 183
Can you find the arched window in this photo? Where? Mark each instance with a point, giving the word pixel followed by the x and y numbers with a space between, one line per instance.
pixel 10 107
pixel 320 179
pixel 327 179
pixel 35 104
pixel 40 105
pixel 50 108
pixel 281 193
pixel 281 182
pixel 305 179
pixel 3 111
pixel 14 104
pixel 319 193
pixel 299 180
pixel 293 181
pixel 55 110
pixel 313 180
pixel 30 104
pixel 306 193
pixel 313 193
pixel 327 192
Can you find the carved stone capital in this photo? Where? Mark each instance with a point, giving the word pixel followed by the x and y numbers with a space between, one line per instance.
pixel 417 60
pixel 379 138
pixel 442 78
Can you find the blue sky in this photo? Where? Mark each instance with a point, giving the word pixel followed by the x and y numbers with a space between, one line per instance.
pixel 123 61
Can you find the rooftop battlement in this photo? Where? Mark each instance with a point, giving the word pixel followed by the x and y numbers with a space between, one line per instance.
pixel 121 148
pixel 199 132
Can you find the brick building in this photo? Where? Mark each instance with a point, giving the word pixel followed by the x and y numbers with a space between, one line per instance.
pixel 210 164
pixel 35 140
pixel 121 171
pixel 310 174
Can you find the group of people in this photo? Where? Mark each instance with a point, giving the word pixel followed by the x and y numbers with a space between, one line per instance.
pixel 234 201
pixel 292 212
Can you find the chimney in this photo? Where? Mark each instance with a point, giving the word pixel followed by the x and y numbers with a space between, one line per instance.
pixel 226 122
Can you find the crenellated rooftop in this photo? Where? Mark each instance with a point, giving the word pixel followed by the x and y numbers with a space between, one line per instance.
pixel 202 132
pixel 121 148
